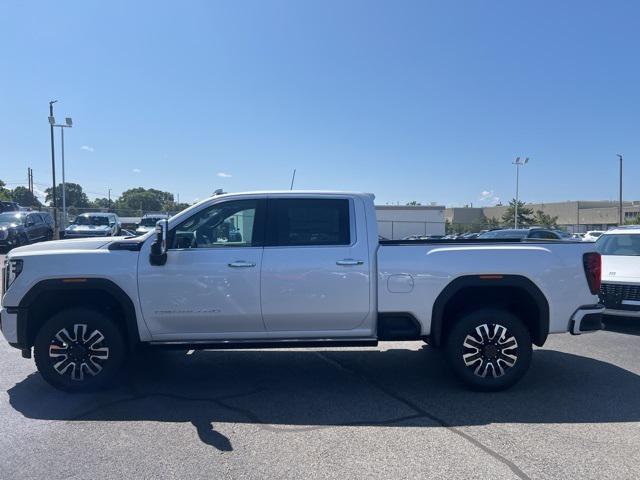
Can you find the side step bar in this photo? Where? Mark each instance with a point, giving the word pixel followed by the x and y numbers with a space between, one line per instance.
pixel 260 344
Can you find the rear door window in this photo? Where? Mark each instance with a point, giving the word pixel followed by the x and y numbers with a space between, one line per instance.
pixel 308 222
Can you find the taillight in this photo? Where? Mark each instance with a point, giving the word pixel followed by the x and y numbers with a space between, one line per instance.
pixel 593 271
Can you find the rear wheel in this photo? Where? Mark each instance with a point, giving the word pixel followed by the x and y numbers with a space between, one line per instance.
pixel 489 349
pixel 79 350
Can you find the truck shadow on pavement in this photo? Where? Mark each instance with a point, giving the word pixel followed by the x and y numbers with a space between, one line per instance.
pixel 301 390
pixel 627 325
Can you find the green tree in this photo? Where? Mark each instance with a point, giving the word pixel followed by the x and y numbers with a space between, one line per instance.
pixel 74 196
pixel 101 203
pixel 175 207
pixel 145 200
pixel 525 214
pixel 24 197
pixel 5 193
pixel 633 221
pixel 492 222
pixel 544 220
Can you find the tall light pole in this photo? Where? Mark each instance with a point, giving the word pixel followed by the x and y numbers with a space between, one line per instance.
pixel 518 163
pixel 68 123
pixel 621 219
pixel 56 230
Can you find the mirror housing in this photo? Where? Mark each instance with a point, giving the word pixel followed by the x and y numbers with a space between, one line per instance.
pixel 158 254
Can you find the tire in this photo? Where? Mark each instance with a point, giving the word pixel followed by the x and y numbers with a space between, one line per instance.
pixel 79 350
pixel 481 351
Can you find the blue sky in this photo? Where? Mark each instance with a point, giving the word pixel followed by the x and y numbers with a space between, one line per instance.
pixel 423 100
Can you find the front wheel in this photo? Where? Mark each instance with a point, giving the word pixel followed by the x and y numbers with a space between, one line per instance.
pixel 79 350
pixel 489 349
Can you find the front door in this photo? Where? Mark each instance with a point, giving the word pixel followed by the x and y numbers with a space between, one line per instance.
pixel 315 269
pixel 209 287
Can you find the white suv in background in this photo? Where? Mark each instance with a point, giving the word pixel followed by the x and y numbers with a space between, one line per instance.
pixel 620 290
pixel 592 235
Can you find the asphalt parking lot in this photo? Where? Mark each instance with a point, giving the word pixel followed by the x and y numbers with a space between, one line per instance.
pixel 388 412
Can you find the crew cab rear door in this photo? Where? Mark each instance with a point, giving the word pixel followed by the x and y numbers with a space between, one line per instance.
pixel 315 269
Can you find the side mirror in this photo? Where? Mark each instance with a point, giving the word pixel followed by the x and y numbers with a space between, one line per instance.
pixel 158 254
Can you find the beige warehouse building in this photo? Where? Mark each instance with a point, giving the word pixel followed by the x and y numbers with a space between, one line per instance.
pixel 575 216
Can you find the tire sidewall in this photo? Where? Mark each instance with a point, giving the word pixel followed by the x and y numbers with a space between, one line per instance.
pixel 94 320
pixel 465 325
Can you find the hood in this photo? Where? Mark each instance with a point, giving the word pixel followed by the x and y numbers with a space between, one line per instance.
pixel 7 226
pixel 69 244
pixel 620 268
pixel 88 228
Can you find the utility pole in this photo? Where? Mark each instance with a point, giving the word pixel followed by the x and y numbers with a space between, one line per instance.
pixel 52 121
pixel 109 204
pixel 518 163
pixel 621 215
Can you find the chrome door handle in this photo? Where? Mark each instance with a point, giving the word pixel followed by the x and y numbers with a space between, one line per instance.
pixel 349 261
pixel 240 263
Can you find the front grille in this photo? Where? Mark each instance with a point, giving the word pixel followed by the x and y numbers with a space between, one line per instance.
pixel 612 294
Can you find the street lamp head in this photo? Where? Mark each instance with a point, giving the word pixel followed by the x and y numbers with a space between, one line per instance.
pixel 52 120
pixel 619 156
pixel 526 160
pixel 52 102
pixel 68 121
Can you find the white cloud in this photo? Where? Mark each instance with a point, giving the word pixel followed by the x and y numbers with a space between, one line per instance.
pixel 489 196
pixel 224 175
pixel 87 148
pixel 136 170
pixel 40 194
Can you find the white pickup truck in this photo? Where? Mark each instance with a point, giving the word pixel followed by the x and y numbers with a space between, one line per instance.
pixel 292 269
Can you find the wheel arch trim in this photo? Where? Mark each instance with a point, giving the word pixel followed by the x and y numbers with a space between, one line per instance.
pixel 76 284
pixel 540 330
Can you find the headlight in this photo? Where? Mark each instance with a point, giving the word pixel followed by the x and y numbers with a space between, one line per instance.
pixel 12 268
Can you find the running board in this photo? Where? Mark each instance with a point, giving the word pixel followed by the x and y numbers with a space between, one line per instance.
pixel 260 344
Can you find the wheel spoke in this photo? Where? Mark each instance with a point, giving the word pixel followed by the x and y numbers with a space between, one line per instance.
pixel 102 353
pixel 471 358
pixel 95 338
pixel 471 342
pixel 80 329
pixel 64 337
pixel 93 367
pixel 63 365
pixel 508 343
pixel 58 350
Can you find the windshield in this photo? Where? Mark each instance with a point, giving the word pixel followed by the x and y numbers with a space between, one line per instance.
pixel 150 221
pixel 505 234
pixel 625 244
pixel 11 217
pixel 91 220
